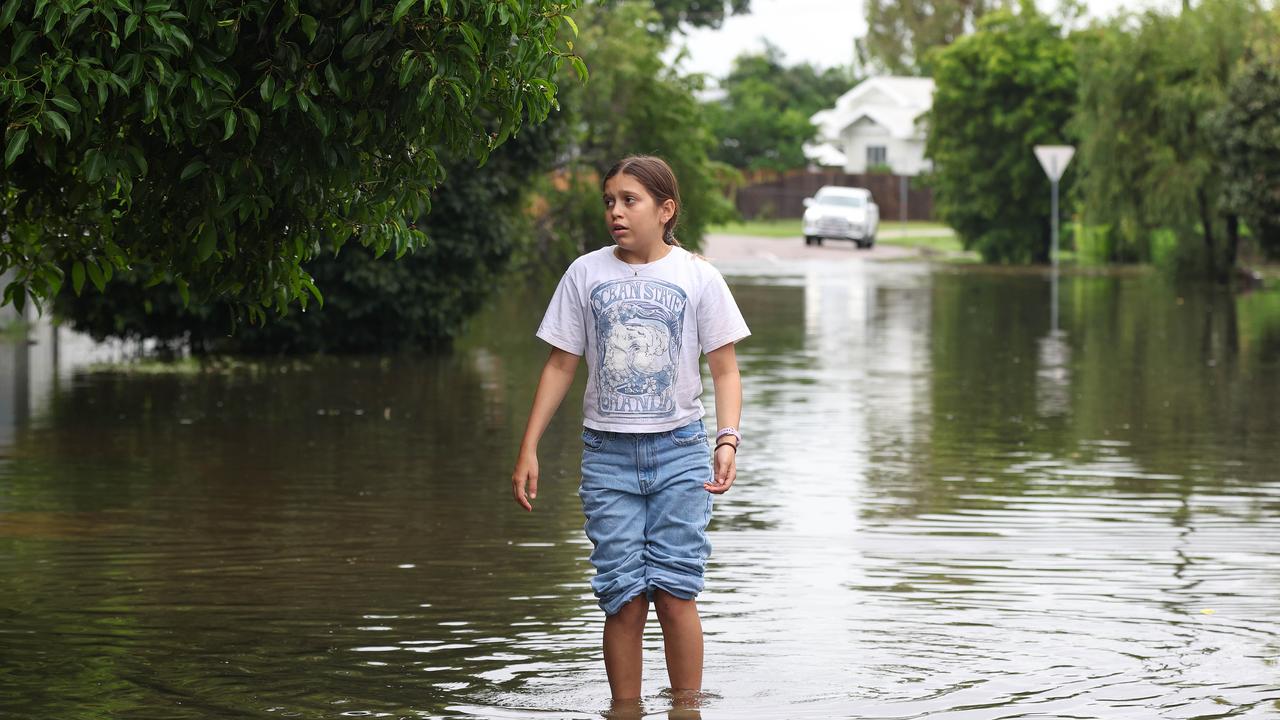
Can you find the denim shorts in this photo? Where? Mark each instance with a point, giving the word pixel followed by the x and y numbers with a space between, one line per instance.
pixel 647 512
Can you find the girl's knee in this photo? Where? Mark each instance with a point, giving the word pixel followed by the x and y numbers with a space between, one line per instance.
pixel 633 613
pixel 669 605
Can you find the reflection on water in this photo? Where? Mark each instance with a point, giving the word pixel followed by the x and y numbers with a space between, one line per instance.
pixel 945 509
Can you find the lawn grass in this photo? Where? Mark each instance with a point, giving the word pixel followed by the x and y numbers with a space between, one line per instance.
pixel 789 228
pixel 783 228
pixel 936 243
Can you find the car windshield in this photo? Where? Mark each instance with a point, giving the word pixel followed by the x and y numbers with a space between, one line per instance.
pixel 841 200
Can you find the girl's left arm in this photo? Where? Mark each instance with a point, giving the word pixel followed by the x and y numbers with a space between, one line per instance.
pixel 728 383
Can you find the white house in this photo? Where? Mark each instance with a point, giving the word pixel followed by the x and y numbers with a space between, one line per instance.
pixel 875 124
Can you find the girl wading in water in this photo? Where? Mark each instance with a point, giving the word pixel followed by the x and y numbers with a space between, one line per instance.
pixel 642 312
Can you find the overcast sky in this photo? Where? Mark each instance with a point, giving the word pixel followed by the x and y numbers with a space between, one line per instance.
pixel 816 31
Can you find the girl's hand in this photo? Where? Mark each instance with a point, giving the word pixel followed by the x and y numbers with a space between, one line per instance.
pixel 525 475
pixel 726 470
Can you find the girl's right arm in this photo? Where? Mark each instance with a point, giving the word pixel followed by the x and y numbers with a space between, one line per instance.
pixel 557 376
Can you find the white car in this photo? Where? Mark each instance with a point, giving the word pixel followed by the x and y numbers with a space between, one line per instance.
pixel 843 213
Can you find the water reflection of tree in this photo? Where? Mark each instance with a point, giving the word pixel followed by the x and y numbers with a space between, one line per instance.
pixel 1172 376
pixel 775 314
pixel 275 503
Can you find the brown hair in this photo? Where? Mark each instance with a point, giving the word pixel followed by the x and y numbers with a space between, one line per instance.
pixel 656 176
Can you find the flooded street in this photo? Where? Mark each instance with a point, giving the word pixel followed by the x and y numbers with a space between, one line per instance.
pixel 945 509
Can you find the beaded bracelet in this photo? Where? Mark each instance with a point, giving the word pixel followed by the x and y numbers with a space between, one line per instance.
pixel 729 431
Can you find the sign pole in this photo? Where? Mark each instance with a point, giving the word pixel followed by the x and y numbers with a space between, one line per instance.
pixel 1053 309
pixel 1055 225
pixel 902 203
pixel 1054 159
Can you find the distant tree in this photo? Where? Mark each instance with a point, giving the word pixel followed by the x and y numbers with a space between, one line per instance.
pixel 900 33
pixel 1000 91
pixel 1246 136
pixel 634 103
pixel 763 119
pixel 223 146
pixel 1148 86
pixel 671 14
pixel 808 87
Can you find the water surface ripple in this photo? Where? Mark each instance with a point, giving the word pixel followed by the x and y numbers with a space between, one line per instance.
pixel 946 509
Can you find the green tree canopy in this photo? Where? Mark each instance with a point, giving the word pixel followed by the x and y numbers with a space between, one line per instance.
pixel 1148 85
pixel 1000 91
pixel 223 145
pixel 671 14
pixel 372 303
pixel 1246 133
pixel 763 119
pixel 900 33
pixel 634 103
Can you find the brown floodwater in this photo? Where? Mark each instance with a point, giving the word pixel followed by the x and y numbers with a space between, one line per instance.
pixel 946 509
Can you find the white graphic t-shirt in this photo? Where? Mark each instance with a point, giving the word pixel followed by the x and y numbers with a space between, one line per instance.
pixel 642 330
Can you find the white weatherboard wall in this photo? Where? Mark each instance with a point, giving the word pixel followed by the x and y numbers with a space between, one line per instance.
pixel 905 156
pixel 880 111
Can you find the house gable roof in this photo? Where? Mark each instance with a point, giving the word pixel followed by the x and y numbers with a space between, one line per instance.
pixel 891 101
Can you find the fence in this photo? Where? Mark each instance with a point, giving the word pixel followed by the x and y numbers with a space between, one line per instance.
pixel 784 197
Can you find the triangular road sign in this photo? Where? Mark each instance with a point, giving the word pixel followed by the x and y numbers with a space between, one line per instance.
pixel 1054 159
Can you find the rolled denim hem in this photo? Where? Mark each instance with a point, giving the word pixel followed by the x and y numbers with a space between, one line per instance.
pixel 612 604
pixel 673 589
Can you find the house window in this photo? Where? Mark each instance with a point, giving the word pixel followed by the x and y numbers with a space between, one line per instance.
pixel 877 155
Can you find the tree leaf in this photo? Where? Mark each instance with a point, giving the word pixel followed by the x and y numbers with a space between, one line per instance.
pixel 17 142
pixel 470 35
pixel 579 66
pixel 331 79
pixel 20 45
pixel 208 242
pixel 150 99
pixel 229 124
pixel 139 160
pixel 95 165
pixel 193 168
pixel 309 26
pixel 352 49
pixel 58 122
pixel 251 120
pixel 402 7
pixel 8 12
pixel 95 274
pixel 310 285
pixel 178 33
pixel 77 277
pixel 66 102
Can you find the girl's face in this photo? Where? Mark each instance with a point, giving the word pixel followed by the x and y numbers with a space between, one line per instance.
pixel 634 218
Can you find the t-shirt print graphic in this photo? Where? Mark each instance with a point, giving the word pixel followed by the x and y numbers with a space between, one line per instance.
pixel 639 323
